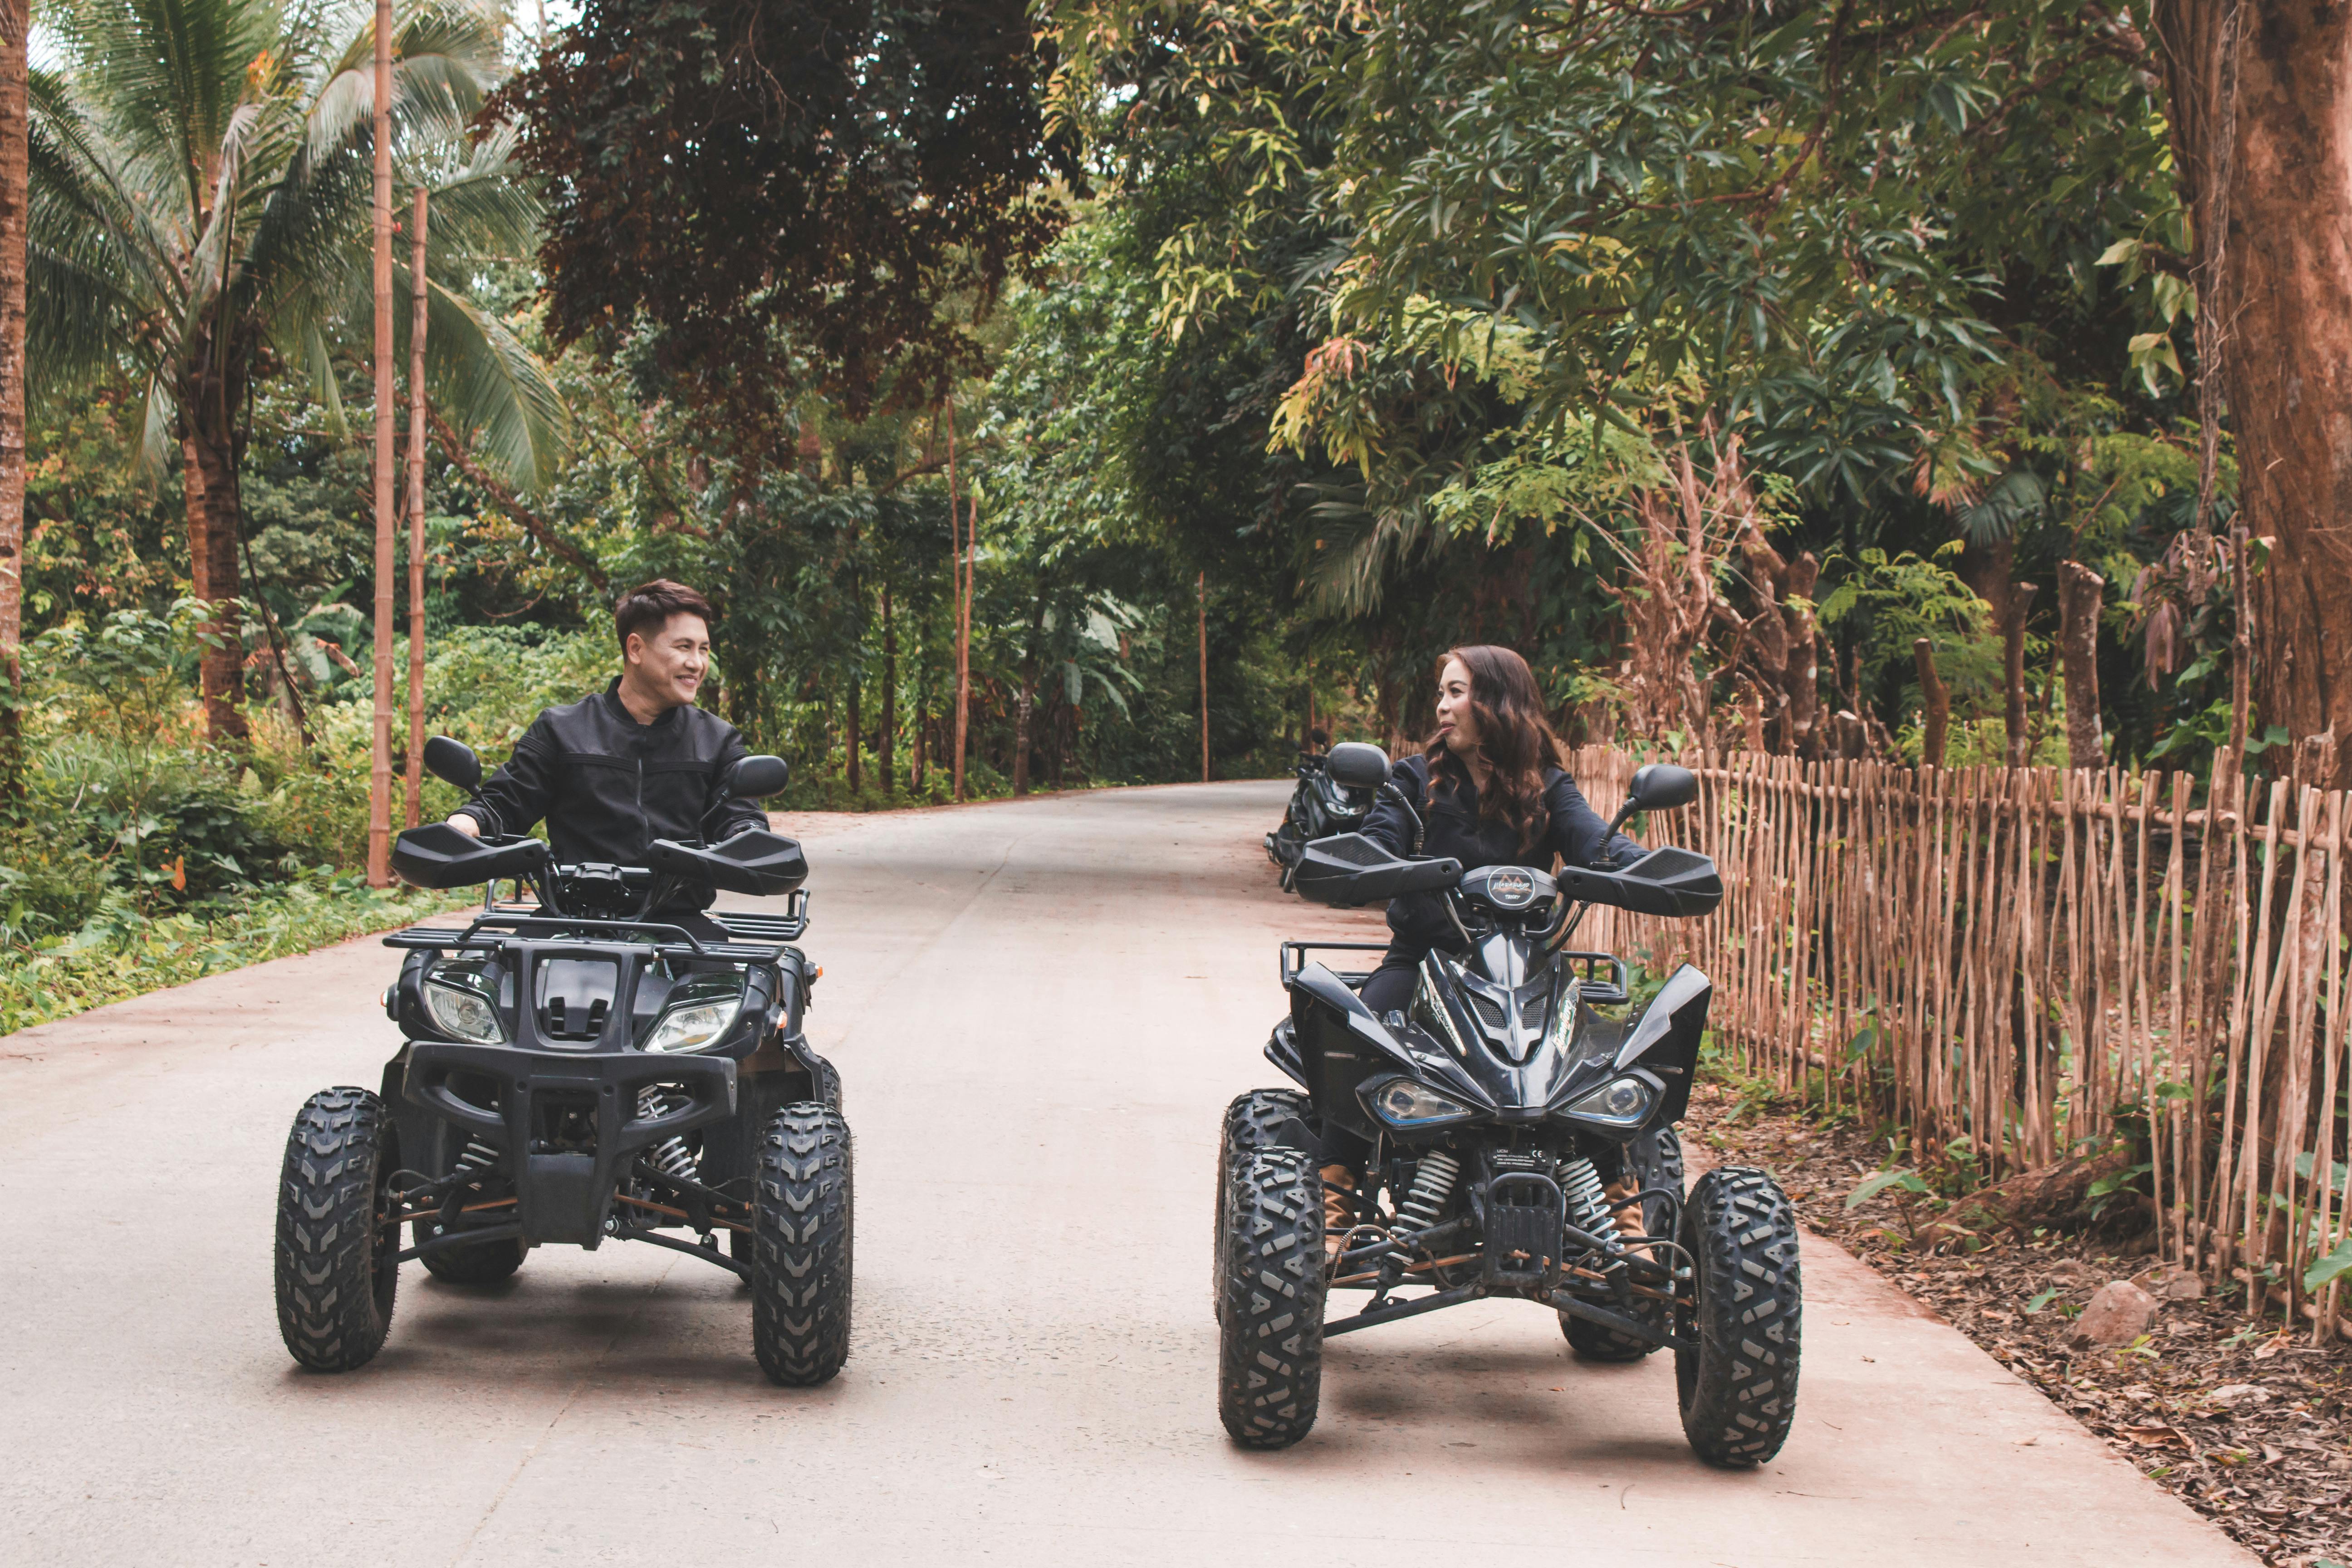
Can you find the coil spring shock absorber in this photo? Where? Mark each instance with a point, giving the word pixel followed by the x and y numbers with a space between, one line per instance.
pixel 475 1158
pixel 1432 1184
pixel 1587 1202
pixel 671 1157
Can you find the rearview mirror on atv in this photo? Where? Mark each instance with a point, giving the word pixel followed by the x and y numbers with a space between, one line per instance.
pixel 1662 786
pixel 453 761
pixel 1357 764
pixel 757 777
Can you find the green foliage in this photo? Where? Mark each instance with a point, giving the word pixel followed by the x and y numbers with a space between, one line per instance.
pixel 1904 1181
pixel 122 951
pixel 787 193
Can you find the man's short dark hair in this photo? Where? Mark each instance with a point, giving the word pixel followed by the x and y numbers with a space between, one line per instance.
pixel 652 604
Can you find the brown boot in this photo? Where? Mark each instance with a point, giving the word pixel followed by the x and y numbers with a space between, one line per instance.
pixel 1631 1224
pixel 1339 1208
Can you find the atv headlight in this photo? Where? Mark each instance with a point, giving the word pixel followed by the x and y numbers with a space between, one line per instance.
pixel 690 1028
pixel 1619 1102
pixel 462 1011
pixel 1400 1102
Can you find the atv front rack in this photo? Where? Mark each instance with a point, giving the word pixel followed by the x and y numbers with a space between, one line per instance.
pixel 493 927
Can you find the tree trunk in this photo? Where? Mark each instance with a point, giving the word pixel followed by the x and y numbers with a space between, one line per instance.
pixel 1204 677
pixel 1022 705
pixel 1936 699
pixel 2260 106
pixel 855 735
pixel 922 704
pixel 14 185
pixel 2079 590
pixel 379 850
pixel 209 489
pixel 887 747
pixel 416 516
pixel 2010 613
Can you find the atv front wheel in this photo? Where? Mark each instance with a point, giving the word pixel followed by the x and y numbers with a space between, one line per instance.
pixel 478 1263
pixel 800 1228
pixel 1738 1388
pixel 1270 1321
pixel 336 1270
pixel 1653 1162
pixel 1262 1119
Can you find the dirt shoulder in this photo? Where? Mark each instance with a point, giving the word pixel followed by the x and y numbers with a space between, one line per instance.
pixel 2250 1427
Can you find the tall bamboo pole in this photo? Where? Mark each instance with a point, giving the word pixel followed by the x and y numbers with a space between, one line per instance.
pixel 416 516
pixel 14 186
pixel 1205 678
pixel 378 853
pixel 962 564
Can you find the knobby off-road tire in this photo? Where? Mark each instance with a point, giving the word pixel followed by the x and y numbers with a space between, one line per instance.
pixel 1270 1329
pixel 801 1251
pixel 482 1263
pixel 1738 1388
pixel 1653 1162
pixel 1262 1119
pixel 336 1274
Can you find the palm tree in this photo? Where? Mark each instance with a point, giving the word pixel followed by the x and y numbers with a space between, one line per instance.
pixel 201 187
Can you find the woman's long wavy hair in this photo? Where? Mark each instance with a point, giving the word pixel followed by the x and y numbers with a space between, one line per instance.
pixel 1515 739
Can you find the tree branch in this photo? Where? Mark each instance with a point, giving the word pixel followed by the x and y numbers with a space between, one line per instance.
pixel 512 504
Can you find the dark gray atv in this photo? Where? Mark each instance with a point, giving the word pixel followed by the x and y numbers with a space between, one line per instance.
pixel 1494 1104
pixel 574 1072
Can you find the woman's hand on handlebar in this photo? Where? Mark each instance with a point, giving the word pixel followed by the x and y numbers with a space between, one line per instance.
pixel 465 824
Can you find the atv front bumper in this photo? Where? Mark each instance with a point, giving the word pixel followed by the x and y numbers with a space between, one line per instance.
pixel 565 1193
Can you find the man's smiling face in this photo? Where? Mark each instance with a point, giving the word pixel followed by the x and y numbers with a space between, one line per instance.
pixel 666 664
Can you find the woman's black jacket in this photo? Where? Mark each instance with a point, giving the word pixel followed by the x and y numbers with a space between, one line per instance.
pixel 1574 832
pixel 609 786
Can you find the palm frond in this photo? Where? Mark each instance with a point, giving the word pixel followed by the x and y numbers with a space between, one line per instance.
pixel 492 389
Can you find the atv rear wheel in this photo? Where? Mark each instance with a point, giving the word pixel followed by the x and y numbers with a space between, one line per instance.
pixel 1738 1388
pixel 801 1246
pixel 337 1272
pixel 1653 1162
pixel 481 1263
pixel 1262 1119
pixel 1270 1321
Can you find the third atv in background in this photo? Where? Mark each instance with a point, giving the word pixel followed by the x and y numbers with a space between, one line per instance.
pixel 1492 1105
pixel 1321 806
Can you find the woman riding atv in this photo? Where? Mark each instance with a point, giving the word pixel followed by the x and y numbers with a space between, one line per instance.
pixel 1489 791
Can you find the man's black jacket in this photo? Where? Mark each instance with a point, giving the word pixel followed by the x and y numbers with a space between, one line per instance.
pixel 1573 831
pixel 609 786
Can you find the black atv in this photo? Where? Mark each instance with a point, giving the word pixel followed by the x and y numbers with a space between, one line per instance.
pixel 1320 806
pixel 1498 1106
pixel 574 1071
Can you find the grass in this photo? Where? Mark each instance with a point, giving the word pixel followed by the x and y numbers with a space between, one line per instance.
pixel 120 954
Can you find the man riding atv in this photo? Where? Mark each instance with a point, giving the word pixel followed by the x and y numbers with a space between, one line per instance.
pixel 602 1060
pixel 636 762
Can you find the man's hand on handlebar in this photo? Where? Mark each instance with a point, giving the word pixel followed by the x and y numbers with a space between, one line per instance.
pixel 465 824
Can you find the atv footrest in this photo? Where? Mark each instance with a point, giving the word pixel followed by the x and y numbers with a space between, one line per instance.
pixel 1527 1218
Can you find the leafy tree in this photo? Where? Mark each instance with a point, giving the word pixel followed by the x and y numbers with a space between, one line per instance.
pixel 788 192
pixel 201 187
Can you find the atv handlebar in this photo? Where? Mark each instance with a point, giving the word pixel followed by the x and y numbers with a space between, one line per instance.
pixel 1348 870
pixel 755 862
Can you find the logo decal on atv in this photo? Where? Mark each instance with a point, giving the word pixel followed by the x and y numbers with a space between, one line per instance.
pixel 1511 889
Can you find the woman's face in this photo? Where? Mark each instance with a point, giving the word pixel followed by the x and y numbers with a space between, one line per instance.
pixel 1455 725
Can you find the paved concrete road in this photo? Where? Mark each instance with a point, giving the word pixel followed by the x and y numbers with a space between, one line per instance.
pixel 1039 1010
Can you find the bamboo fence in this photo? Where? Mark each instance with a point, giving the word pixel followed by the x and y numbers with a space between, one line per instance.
pixel 2025 964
